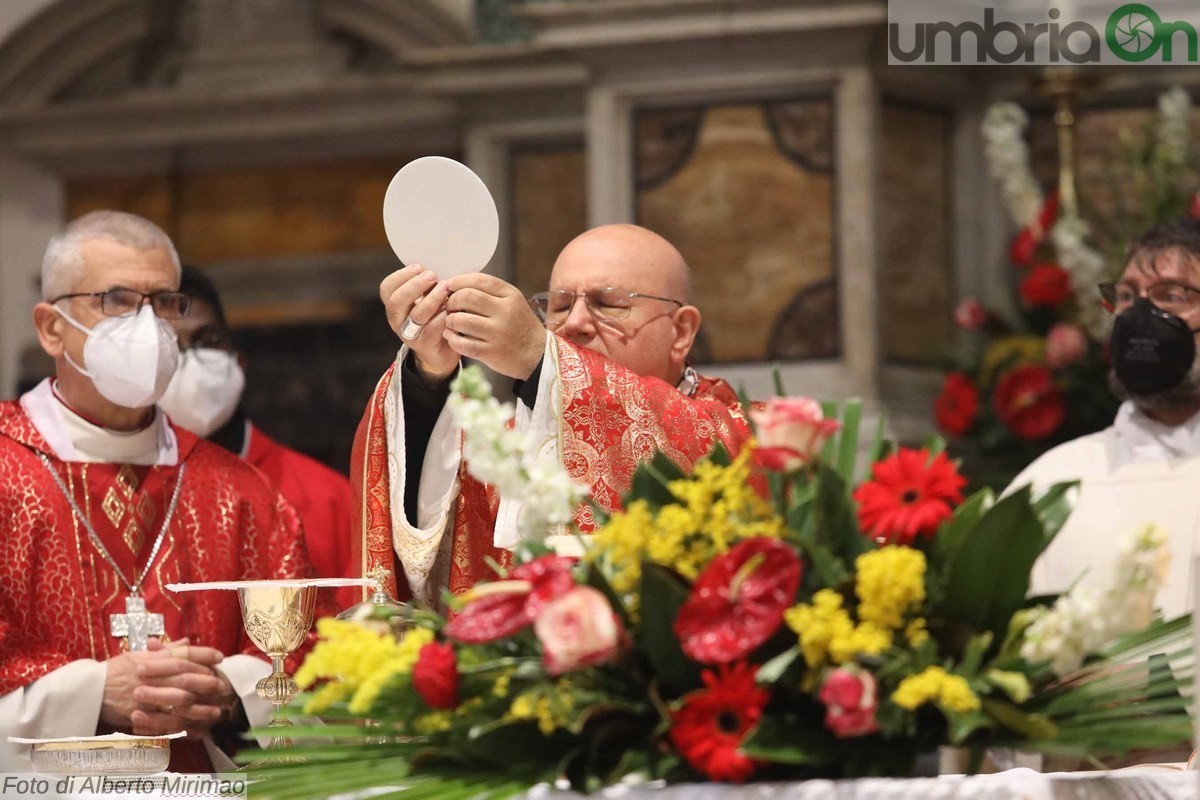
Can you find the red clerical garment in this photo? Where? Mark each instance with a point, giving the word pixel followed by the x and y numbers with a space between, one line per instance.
pixel 612 419
pixel 57 592
pixel 320 496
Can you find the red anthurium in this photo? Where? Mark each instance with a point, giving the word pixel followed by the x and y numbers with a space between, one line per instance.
pixel 1049 213
pixel 737 603
pixel 550 576
pixel 958 404
pixel 501 608
pixel 1027 400
pixel 1047 285
pixel 493 611
pixel 1024 246
pixel 909 495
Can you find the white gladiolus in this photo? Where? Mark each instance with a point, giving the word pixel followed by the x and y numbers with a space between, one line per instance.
pixel 1174 110
pixel 1086 268
pixel 1094 613
pixel 501 456
pixel 1008 161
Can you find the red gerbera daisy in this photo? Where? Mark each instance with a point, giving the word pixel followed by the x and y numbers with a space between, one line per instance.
pixel 502 608
pixel 708 728
pixel 910 494
pixel 738 601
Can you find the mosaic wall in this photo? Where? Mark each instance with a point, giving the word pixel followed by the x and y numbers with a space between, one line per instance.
pixel 746 193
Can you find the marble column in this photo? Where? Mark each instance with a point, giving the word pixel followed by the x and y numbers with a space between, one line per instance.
pixel 609 157
pixel 857 123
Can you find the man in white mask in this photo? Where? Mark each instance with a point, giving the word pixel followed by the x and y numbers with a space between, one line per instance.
pixel 205 397
pixel 103 502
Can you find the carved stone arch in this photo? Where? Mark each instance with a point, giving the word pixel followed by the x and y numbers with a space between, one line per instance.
pixel 394 26
pixel 63 42
pixel 74 49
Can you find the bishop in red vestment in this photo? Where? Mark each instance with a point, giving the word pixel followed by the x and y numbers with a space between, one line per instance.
pixel 103 503
pixel 603 384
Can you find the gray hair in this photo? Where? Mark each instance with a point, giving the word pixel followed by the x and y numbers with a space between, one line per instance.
pixel 62 266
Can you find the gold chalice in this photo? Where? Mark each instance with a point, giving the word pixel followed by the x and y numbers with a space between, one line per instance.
pixel 278 616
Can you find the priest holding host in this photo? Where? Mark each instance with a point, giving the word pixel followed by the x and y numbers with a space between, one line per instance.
pixel 104 501
pixel 1145 467
pixel 603 383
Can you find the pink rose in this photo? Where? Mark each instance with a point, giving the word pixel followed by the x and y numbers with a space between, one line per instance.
pixel 1065 344
pixel 970 315
pixel 791 432
pixel 850 697
pixel 577 630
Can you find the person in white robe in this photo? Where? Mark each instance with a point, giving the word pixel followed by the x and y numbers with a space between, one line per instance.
pixel 1145 468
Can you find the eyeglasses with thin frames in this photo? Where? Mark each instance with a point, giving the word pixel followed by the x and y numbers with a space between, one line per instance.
pixel 124 302
pixel 1174 298
pixel 607 303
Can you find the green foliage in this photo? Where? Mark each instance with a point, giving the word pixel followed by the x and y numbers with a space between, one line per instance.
pixel 790 739
pixel 662 594
pixel 987 577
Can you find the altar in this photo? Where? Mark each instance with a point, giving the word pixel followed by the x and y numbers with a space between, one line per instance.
pixel 1020 784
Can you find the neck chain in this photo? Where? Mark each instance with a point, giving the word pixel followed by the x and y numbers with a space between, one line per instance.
pixel 136 585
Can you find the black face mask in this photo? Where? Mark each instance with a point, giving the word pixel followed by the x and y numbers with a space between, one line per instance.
pixel 1152 351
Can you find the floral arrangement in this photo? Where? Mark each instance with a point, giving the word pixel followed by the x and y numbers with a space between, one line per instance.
pixel 1023 383
pixel 772 615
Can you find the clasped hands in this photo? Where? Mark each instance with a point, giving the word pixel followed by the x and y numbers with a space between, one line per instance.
pixel 474 315
pixel 170 687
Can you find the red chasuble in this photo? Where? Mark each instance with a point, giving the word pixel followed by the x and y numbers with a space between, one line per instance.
pixel 612 420
pixel 320 496
pixel 57 591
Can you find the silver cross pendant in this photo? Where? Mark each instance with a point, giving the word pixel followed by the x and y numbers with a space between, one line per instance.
pixel 136 625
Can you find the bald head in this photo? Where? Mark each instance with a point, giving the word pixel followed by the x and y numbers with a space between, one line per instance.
pixel 637 258
pixel 654 337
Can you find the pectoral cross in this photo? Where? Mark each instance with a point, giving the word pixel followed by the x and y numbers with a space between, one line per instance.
pixel 136 625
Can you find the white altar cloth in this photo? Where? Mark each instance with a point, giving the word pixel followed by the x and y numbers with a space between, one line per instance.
pixel 1017 784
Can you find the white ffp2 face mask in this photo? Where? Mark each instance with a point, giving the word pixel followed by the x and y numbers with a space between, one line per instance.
pixel 129 359
pixel 205 391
